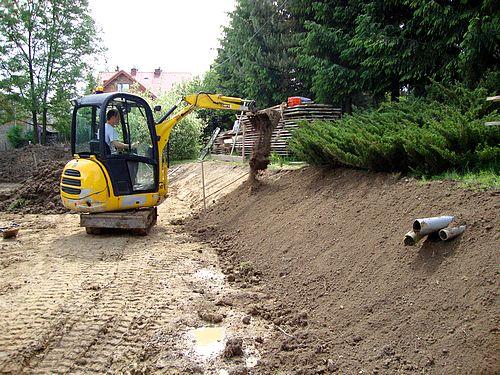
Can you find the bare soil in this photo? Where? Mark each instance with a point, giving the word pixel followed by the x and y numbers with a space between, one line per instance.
pixel 39 193
pixel 315 279
pixel 37 171
pixel 345 294
pixel 19 164
pixel 119 303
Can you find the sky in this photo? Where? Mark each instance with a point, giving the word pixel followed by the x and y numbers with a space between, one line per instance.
pixel 174 35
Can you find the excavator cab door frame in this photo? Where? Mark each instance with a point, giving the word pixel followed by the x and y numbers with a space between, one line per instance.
pixel 131 172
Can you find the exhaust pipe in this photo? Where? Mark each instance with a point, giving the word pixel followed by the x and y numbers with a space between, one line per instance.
pixel 431 224
pixel 411 238
pixel 449 233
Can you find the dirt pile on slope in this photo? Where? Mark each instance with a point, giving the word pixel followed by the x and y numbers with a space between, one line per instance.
pixel 39 193
pixel 264 122
pixel 18 164
pixel 344 293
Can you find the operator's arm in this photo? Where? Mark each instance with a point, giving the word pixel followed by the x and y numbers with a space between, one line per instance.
pixel 120 145
pixel 112 136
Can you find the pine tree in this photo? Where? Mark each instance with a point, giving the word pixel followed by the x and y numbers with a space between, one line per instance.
pixel 255 58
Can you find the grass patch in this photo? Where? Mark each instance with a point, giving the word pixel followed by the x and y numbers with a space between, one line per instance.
pixel 18 203
pixel 180 162
pixel 482 180
pixel 284 162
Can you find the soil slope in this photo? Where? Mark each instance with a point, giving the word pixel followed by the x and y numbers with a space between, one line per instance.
pixel 17 165
pixel 37 170
pixel 344 293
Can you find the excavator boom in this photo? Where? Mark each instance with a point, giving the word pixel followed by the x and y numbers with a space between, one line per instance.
pixel 216 101
pixel 200 100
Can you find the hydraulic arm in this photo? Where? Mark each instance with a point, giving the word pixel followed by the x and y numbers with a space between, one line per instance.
pixel 200 100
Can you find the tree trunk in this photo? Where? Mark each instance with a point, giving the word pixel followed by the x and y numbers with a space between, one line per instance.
pixel 44 126
pixel 35 127
pixel 348 105
pixel 34 106
pixel 395 91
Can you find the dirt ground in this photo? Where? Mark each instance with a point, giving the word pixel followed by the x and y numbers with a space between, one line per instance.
pixel 304 273
pixel 72 302
pixel 345 295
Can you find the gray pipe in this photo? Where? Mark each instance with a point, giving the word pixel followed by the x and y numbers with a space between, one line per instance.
pixel 411 238
pixel 449 233
pixel 431 224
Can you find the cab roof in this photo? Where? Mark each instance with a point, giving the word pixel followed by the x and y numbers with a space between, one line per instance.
pixel 99 99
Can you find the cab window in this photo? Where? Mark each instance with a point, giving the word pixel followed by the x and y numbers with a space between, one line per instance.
pixel 133 168
pixel 133 129
pixel 86 130
pixel 140 136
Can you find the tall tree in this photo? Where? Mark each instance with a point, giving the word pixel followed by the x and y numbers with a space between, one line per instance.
pixel 378 47
pixel 45 48
pixel 255 59
pixel 325 51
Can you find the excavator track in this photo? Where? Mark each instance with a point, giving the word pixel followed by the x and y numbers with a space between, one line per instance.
pixel 138 222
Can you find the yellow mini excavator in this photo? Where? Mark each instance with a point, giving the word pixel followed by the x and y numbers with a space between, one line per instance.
pixel 122 189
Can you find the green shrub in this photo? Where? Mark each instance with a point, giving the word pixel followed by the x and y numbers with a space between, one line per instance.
pixel 185 140
pixel 422 136
pixel 276 159
pixel 29 136
pixel 18 203
pixel 15 136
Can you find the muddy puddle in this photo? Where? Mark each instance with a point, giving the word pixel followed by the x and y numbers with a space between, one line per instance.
pixel 207 342
pixel 218 348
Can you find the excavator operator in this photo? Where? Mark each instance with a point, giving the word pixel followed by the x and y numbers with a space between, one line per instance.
pixel 111 135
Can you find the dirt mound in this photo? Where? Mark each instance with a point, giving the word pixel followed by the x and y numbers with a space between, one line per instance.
pixel 39 192
pixel 264 122
pixel 19 164
pixel 345 294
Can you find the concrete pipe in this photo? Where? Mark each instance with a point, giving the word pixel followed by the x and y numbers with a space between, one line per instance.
pixel 449 233
pixel 411 238
pixel 431 224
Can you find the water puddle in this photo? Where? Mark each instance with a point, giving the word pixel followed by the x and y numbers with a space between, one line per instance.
pixel 208 341
pixel 210 275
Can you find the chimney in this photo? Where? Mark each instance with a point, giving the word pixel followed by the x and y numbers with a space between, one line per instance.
pixel 157 72
pixel 133 72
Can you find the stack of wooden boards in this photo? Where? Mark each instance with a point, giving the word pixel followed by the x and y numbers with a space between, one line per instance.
pixel 290 119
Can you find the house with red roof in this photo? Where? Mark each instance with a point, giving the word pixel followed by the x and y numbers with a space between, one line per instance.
pixel 156 82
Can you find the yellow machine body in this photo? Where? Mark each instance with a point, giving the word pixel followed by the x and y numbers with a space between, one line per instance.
pixel 95 193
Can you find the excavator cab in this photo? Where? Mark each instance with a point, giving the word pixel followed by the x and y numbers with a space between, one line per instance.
pixel 131 171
